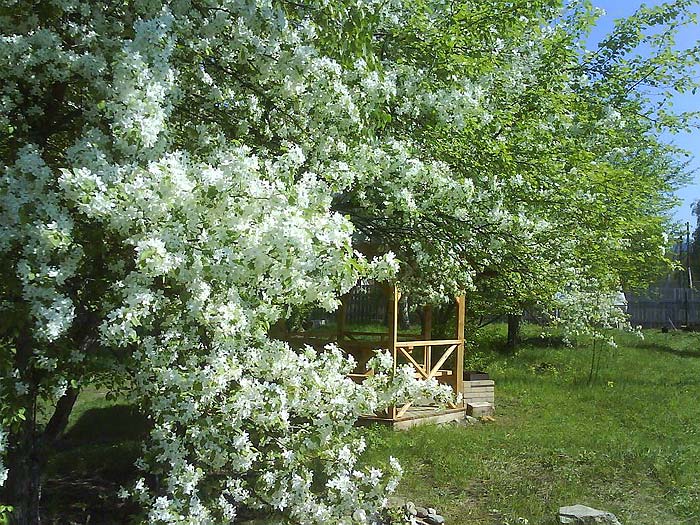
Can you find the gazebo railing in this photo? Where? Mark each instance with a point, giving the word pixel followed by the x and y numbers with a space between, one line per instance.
pixel 428 357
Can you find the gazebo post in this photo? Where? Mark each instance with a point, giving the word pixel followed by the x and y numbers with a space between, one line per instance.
pixel 459 364
pixel 341 318
pixel 393 322
pixel 427 334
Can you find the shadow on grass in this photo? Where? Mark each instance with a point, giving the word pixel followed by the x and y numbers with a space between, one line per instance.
pixel 88 500
pixel 668 349
pixel 107 425
pixel 89 465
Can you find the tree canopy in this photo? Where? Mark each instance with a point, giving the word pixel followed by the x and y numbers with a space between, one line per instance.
pixel 178 176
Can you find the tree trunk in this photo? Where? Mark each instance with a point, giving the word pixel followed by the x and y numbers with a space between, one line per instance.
pixel 27 456
pixel 22 488
pixel 59 420
pixel 23 485
pixel 28 448
pixel 513 331
pixel 404 319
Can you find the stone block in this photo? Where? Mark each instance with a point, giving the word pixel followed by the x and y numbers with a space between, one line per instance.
pixel 479 409
pixel 582 515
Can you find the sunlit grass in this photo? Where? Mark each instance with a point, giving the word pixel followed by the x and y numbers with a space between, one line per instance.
pixel 627 443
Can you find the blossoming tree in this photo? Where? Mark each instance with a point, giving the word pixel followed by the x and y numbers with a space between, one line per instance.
pixel 177 177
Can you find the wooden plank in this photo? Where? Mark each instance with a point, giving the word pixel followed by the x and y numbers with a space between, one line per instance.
pixel 443 373
pixel 393 322
pixel 403 410
pixel 435 419
pixel 415 364
pixel 479 383
pixel 442 360
pixel 436 342
pixel 459 359
pixel 428 357
pixel 417 416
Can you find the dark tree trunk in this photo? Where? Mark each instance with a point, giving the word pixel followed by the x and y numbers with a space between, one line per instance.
pixel 28 447
pixel 404 320
pixel 513 339
pixel 23 485
pixel 27 457
pixel 59 420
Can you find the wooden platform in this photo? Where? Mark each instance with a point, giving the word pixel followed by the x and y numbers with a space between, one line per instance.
pixel 417 416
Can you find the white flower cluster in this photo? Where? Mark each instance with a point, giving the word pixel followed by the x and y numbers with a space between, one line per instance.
pixel 591 311
pixel 3 447
pixel 34 218
pixel 269 410
pixel 180 255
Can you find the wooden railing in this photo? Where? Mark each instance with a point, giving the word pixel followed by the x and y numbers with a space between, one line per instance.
pixel 428 363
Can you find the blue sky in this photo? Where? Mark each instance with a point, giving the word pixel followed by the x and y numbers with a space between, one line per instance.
pixel 681 102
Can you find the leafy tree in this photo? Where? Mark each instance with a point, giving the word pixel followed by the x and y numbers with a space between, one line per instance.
pixel 559 148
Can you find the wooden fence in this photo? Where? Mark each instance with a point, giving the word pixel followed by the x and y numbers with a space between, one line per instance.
pixel 670 306
pixel 367 304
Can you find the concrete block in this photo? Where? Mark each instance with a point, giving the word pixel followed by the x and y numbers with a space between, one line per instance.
pixel 479 409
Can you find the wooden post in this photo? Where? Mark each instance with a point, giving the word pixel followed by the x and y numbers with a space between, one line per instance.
pixel 340 318
pixel 427 328
pixel 393 323
pixel 426 334
pixel 459 364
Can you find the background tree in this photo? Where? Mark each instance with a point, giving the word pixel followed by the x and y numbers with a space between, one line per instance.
pixel 558 148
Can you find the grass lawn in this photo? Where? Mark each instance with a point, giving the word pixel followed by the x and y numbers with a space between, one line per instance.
pixel 629 443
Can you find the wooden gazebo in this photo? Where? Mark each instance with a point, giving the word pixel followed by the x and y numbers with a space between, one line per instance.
pixel 442 359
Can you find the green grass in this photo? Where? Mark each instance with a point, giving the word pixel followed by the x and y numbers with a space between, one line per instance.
pixel 628 443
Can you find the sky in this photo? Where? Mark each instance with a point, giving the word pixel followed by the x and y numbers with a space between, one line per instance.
pixel 681 102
